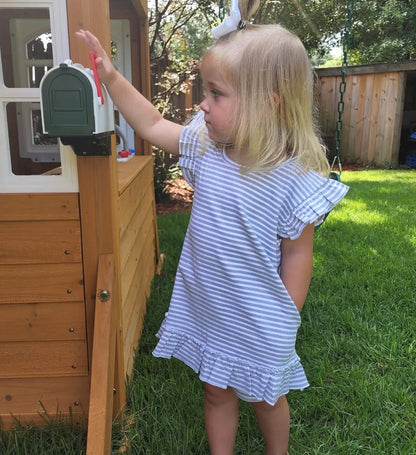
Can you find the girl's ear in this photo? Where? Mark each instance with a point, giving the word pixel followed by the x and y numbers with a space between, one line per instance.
pixel 276 98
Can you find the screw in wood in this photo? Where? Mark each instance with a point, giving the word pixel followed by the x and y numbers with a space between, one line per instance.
pixel 104 295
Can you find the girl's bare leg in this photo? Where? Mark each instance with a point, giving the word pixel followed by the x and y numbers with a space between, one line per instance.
pixel 221 419
pixel 274 423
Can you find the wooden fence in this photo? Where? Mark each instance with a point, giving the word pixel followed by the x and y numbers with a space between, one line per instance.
pixel 373 111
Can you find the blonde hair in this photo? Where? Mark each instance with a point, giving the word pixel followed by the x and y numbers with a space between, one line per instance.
pixel 262 61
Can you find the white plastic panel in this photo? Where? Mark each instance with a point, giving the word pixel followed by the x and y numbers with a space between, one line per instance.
pixel 68 180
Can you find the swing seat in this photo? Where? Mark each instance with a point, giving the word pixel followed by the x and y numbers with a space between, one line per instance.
pixel 411 160
pixel 335 176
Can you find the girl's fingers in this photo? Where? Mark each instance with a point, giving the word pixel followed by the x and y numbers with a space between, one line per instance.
pixel 103 63
pixel 91 41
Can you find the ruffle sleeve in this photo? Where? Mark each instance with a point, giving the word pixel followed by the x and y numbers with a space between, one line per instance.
pixel 313 208
pixel 191 148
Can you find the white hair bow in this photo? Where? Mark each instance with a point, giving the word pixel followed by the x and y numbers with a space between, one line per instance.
pixel 230 23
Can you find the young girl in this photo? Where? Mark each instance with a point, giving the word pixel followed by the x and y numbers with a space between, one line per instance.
pixel 259 174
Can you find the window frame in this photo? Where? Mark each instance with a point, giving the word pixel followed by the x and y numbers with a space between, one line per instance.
pixel 23 29
pixel 67 181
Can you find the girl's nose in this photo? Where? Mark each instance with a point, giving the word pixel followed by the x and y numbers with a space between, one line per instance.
pixel 204 105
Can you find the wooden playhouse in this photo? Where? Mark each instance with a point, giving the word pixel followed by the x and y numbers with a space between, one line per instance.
pixel 78 234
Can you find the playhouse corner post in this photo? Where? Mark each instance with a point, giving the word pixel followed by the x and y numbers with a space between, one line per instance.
pixel 98 189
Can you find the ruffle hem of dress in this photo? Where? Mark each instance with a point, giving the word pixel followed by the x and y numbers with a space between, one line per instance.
pixel 222 371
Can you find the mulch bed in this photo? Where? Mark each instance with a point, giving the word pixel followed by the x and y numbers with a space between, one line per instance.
pixel 179 196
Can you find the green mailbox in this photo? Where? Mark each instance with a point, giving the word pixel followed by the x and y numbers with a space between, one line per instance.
pixel 76 108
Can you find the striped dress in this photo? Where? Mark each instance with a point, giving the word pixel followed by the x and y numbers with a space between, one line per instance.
pixel 231 318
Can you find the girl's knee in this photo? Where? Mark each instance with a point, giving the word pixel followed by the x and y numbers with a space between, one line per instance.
pixel 218 396
pixel 263 406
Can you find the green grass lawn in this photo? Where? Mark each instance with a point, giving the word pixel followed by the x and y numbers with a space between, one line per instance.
pixel 357 343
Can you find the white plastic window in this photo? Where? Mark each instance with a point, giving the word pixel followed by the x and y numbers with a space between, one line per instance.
pixel 33 38
pixel 31 45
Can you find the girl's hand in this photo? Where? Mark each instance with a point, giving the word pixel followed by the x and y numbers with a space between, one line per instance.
pixel 141 115
pixel 105 69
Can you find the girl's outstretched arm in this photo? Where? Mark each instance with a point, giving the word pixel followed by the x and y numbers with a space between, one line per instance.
pixel 296 265
pixel 143 117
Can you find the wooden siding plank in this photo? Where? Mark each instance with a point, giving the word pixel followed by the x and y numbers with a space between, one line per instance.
pixel 132 196
pixel 133 333
pixel 39 321
pixel 45 206
pixel 131 235
pixel 129 170
pixel 133 321
pixel 26 399
pixel 138 284
pixel 30 242
pixel 143 260
pixel 36 283
pixel 43 359
pixel 134 329
pixel 138 258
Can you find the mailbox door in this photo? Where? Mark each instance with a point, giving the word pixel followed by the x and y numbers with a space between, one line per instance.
pixel 67 101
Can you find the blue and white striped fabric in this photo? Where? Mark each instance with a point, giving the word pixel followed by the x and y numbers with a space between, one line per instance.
pixel 231 319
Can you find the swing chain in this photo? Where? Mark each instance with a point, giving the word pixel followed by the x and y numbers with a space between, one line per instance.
pixel 345 41
pixel 221 10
